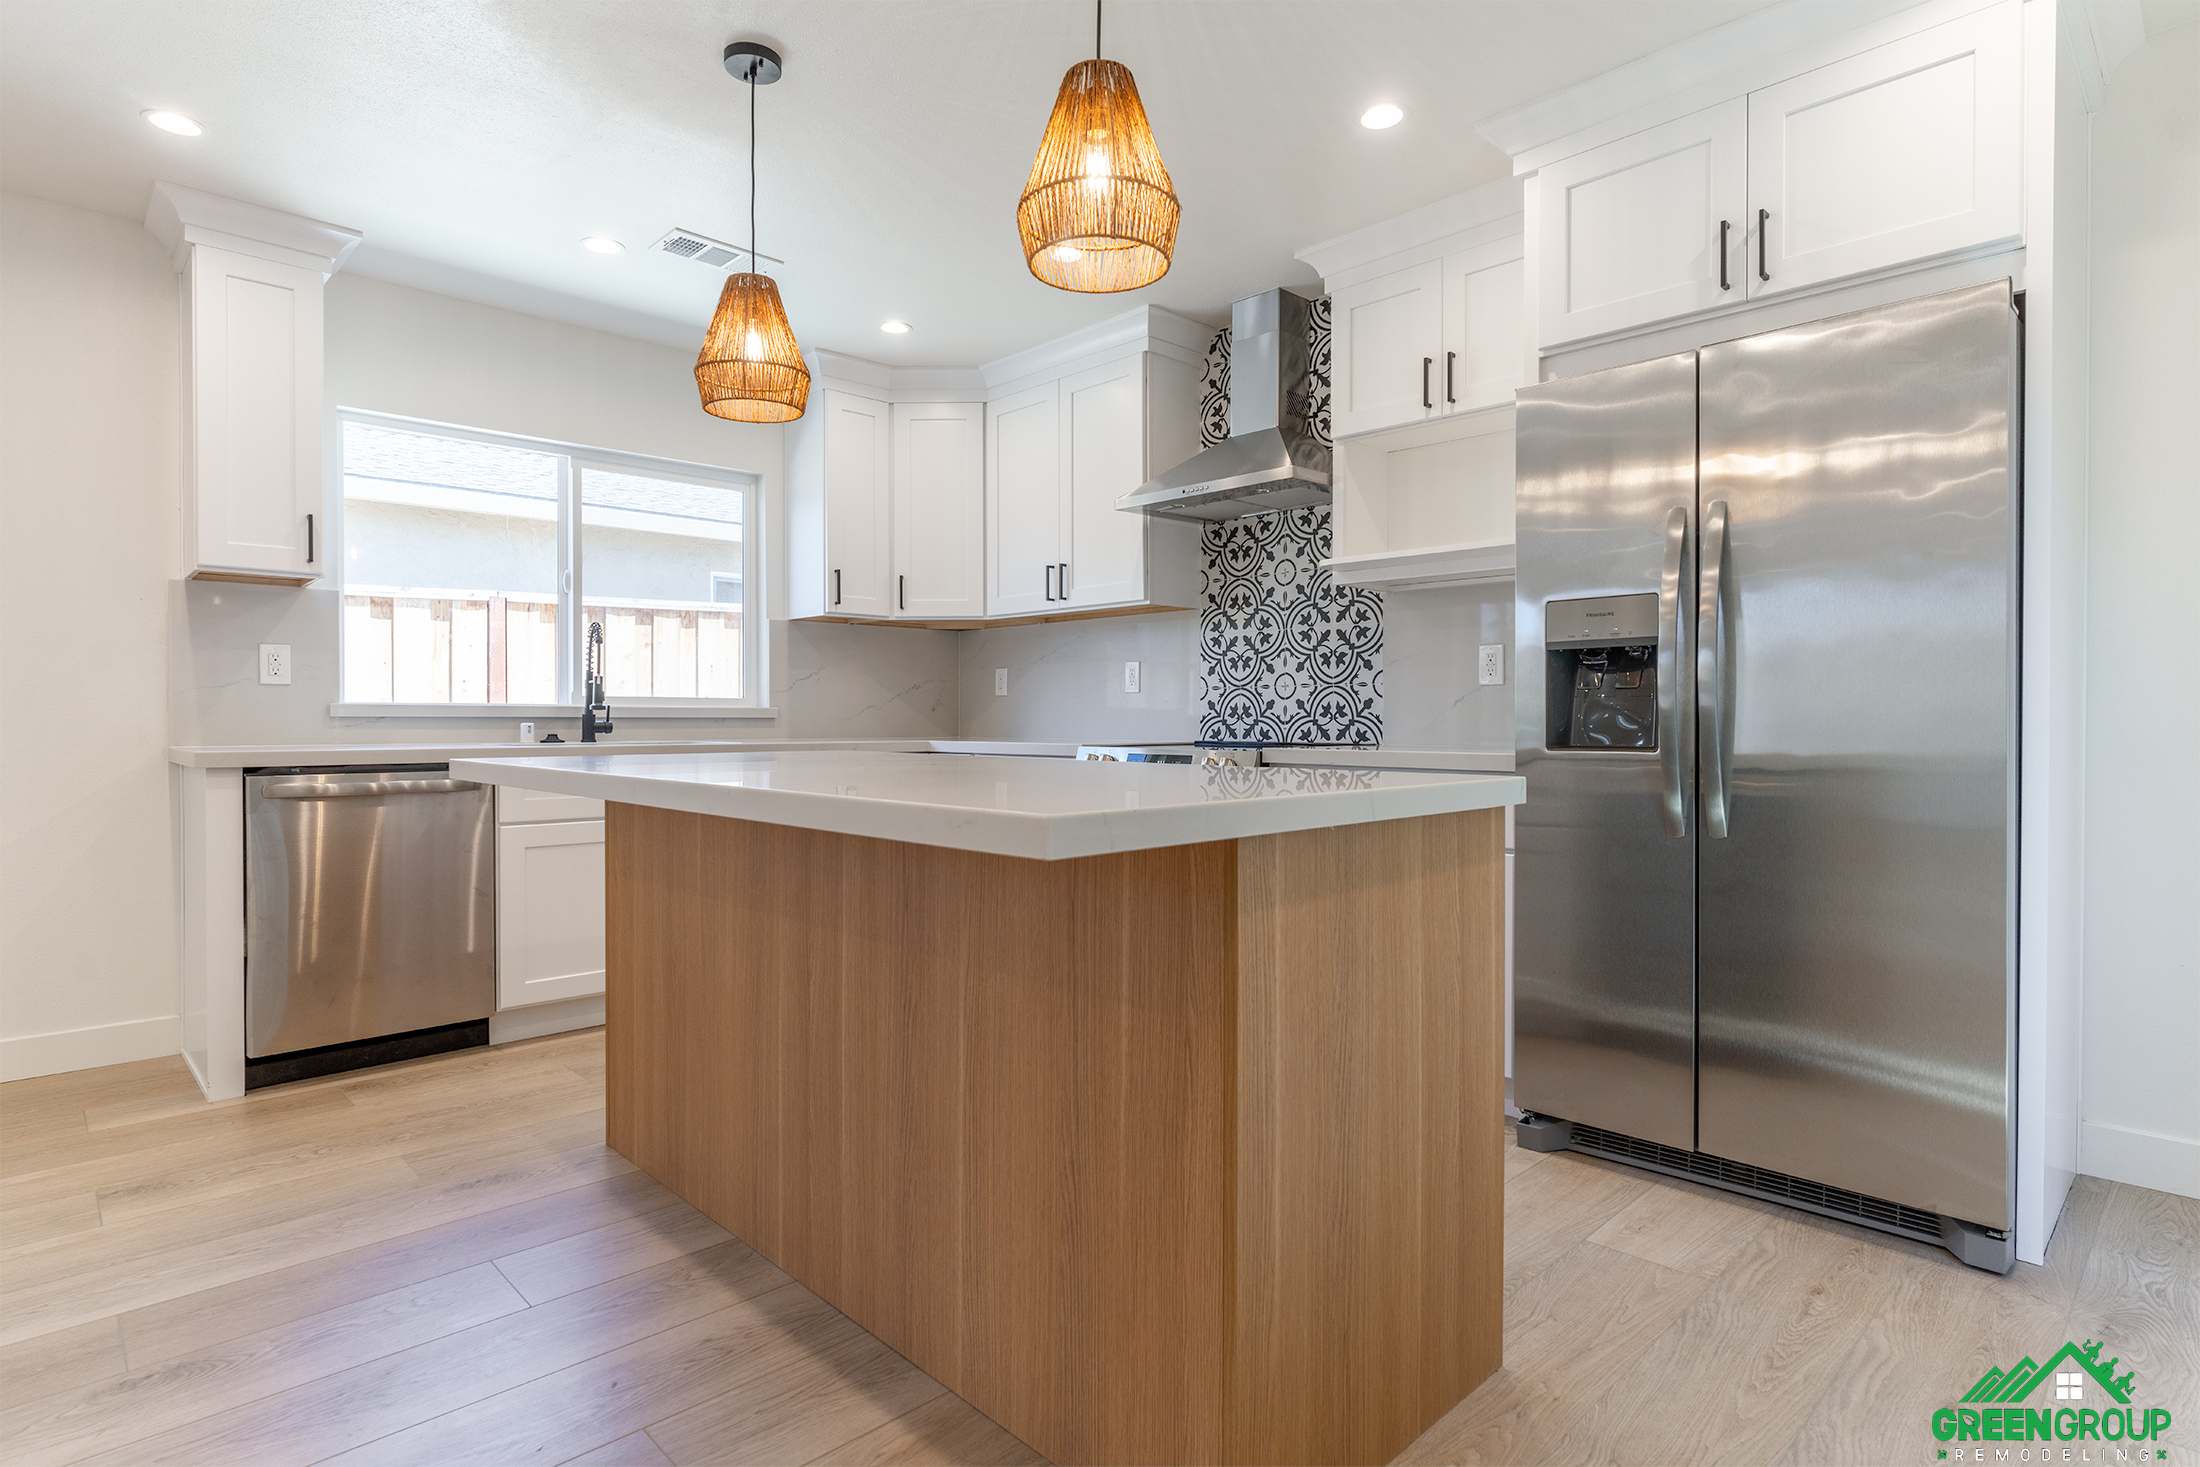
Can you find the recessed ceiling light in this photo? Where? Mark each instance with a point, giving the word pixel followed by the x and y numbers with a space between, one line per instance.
pixel 1382 115
pixel 602 244
pixel 894 328
pixel 174 122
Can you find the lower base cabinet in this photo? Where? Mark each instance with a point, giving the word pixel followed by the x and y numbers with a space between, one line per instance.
pixel 549 912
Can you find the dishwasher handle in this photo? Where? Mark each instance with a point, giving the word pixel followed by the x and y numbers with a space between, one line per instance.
pixel 306 789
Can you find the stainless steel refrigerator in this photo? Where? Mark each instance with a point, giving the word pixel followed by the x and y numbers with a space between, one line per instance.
pixel 1767 641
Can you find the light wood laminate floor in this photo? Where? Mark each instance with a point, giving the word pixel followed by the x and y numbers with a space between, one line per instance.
pixel 440 1262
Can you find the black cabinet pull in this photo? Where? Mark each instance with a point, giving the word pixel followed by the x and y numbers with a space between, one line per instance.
pixel 901 593
pixel 309 539
pixel 1050 583
pixel 1061 582
pixel 1426 363
pixel 1762 216
pixel 836 588
pixel 1449 358
pixel 1724 283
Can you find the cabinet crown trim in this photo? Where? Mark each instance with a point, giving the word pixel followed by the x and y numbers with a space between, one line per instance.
pixel 1427 225
pixel 1148 328
pixel 834 369
pixel 180 217
pixel 1759 49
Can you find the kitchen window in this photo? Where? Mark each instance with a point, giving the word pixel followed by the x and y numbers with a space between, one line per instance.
pixel 475 562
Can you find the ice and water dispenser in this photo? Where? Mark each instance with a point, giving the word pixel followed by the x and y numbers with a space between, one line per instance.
pixel 1601 682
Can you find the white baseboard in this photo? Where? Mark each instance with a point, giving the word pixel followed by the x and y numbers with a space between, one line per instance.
pixel 27 1055
pixel 2140 1158
pixel 539 1019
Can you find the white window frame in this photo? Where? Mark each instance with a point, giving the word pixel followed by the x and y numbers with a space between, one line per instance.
pixel 573 458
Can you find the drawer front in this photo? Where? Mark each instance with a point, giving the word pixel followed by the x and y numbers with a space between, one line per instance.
pixel 529 807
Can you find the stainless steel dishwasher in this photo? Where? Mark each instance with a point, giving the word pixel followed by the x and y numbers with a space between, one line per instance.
pixel 370 917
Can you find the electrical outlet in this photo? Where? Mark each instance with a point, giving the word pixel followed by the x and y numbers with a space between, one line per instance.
pixel 1130 677
pixel 1493 663
pixel 275 662
pixel 1000 682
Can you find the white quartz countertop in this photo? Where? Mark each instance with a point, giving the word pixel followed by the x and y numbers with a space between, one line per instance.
pixel 1040 809
pixel 1463 760
pixel 253 756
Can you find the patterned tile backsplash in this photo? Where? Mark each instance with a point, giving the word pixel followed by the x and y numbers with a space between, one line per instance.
pixel 1286 655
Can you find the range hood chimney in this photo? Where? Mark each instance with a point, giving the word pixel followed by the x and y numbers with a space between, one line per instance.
pixel 1271 460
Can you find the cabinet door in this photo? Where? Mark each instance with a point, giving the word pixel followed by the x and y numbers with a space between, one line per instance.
pixel 939 509
pixel 1023 453
pixel 255 419
pixel 858 508
pixel 549 912
pixel 1908 151
pixel 1385 350
pixel 1485 347
pixel 1629 233
pixel 516 806
pixel 1103 459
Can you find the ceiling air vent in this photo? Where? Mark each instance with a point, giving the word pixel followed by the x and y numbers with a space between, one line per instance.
pixel 715 253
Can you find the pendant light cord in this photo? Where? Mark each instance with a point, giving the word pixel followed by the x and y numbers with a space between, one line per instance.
pixel 1096 29
pixel 752 168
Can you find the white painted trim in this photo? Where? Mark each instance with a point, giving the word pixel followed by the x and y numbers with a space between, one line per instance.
pixel 2139 1158
pixel 1703 71
pixel 1426 225
pixel 180 217
pixel 1511 226
pixel 1148 328
pixel 840 372
pixel 25 1056
pixel 666 708
pixel 560 1016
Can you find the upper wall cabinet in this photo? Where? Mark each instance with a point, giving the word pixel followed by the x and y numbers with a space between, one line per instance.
pixel 1645 228
pixel 1908 151
pixel 939 509
pixel 252 486
pixel 839 508
pixel 1443 336
pixel 1901 153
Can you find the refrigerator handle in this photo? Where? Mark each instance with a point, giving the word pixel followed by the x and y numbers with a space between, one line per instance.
pixel 1714 671
pixel 1676 730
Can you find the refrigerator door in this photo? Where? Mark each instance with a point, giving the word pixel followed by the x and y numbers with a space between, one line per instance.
pixel 1855 951
pixel 1604 1004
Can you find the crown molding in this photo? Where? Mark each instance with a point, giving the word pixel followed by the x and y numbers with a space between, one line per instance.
pixel 180 217
pixel 1145 328
pixel 844 373
pixel 1427 225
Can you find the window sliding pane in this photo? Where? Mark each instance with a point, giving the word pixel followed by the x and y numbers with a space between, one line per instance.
pixel 450 569
pixel 662 562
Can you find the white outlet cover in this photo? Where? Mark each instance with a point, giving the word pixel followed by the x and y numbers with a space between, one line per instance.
pixel 1000 682
pixel 275 663
pixel 1493 663
pixel 1130 677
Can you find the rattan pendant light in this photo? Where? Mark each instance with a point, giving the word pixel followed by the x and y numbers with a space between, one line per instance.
pixel 1098 214
pixel 750 369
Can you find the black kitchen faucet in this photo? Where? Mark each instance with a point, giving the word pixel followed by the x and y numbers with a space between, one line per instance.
pixel 591 725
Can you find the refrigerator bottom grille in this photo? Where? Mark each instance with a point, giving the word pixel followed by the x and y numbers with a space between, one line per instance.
pixel 1757 1181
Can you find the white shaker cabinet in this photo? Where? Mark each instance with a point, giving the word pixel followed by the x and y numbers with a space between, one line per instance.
pixel 939 509
pixel 1484 328
pixel 1386 342
pixel 1023 459
pixel 550 907
pixel 1103 560
pixel 1645 228
pixel 839 508
pixel 1901 153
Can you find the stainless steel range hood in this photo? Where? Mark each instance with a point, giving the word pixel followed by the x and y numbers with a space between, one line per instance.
pixel 1271 460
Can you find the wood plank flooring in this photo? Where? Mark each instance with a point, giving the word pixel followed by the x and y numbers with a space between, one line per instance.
pixel 441 1262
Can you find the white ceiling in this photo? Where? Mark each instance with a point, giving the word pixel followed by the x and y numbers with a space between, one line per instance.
pixel 474 142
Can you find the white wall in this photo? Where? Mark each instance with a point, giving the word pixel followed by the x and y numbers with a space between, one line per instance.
pixel 88 465
pixel 1065 680
pixel 2141 1105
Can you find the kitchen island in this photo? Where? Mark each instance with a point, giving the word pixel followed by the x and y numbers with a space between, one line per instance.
pixel 1153 1109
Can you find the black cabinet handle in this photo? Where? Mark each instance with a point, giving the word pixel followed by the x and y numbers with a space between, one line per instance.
pixel 1426 362
pixel 1061 582
pixel 309 539
pixel 901 593
pixel 1724 283
pixel 1050 583
pixel 1762 216
pixel 1450 357
pixel 836 588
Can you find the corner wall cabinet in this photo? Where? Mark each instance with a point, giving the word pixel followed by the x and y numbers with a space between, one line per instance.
pixel 938 529
pixel 253 499
pixel 1907 151
pixel 839 508
pixel 550 897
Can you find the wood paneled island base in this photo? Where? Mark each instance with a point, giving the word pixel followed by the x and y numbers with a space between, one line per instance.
pixel 1186 1155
